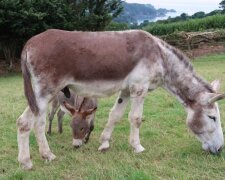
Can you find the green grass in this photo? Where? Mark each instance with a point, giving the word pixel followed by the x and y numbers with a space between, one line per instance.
pixel 172 152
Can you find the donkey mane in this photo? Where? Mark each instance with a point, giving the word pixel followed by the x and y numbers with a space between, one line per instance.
pixel 186 61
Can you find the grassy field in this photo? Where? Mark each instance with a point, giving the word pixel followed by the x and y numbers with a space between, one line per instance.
pixel 172 152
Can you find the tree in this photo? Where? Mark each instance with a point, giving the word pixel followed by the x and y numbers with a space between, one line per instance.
pixel 199 14
pixel 115 26
pixel 22 19
pixel 214 12
pixel 184 16
pixel 222 5
pixel 95 15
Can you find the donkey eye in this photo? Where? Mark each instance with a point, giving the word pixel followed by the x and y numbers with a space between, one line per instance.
pixel 81 129
pixel 213 118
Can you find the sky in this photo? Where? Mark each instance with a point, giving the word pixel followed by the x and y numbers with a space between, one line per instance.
pixel 187 6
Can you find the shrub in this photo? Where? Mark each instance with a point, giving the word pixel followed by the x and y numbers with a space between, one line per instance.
pixel 192 25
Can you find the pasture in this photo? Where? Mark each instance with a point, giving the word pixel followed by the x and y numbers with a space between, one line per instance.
pixel 171 150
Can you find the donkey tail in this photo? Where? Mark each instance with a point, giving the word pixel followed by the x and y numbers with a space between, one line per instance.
pixel 28 89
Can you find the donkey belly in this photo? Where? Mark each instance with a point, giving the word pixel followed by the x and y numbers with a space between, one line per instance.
pixel 97 88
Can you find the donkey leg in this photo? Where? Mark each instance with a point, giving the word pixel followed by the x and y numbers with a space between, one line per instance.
pixel 39 130
pixel 25 124
pixel 54 108
pixel 60 115
pixel 114 116
pixel 135 117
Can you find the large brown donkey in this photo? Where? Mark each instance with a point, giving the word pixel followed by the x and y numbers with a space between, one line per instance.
pixel 99 64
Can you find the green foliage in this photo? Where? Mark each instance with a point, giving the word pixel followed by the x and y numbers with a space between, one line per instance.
pixel 199 14
pixel 222 5
pixel 215 12
pixel 95 15
pixel 25 18
pixel 115 26
pixel 185 17
pixel 211 22
pixel 22 19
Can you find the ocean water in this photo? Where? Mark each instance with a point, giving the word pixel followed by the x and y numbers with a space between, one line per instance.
pixel 190 7
pixel 170 14
pixel 177 13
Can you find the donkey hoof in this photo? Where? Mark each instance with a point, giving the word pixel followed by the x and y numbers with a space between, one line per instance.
pixel 104 147
pixel 139 149
pixel 26 165
pixel 49 157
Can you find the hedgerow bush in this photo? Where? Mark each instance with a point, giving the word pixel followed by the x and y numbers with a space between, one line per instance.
pixel 193 25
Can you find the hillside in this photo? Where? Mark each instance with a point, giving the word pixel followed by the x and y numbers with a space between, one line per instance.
pixel 189 25
pixel 134 12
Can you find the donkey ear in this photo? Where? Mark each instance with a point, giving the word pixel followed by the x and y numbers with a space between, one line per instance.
pixel 90 111
pixel 216 97
pixel 215 85
pixel 70 108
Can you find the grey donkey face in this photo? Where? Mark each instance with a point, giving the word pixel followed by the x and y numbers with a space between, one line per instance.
pixel 82 124
pixel 204 120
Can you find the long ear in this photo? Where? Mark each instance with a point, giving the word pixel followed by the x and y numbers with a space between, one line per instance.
pixel 88 112
pixel 78 102
pixel 81 105
pixel 70 108
pixel 215 85
pixel 216 97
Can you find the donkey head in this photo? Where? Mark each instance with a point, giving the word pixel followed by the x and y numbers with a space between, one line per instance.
pixel 82 123
pixel 204 120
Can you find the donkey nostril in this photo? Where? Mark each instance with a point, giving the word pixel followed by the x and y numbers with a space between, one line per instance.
pixel 76 146
pixel 220 149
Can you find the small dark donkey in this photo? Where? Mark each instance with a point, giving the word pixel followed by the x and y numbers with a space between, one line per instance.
pixel 83 115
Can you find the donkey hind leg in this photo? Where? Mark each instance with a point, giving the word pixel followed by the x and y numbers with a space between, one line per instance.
pixel 25 124
pixel 135 117
pixel 39 130
pixel 114 116
pixel 54 107
pixel 60 115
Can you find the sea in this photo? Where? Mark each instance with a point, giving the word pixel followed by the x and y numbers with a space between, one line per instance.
pixel 188 9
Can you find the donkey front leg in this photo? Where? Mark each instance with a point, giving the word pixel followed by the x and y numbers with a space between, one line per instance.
pixel 135 117
pixel 25 124
pixel 114 116
pixel 39 130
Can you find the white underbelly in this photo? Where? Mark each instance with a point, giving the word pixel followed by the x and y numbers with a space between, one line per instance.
pixel 97 88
